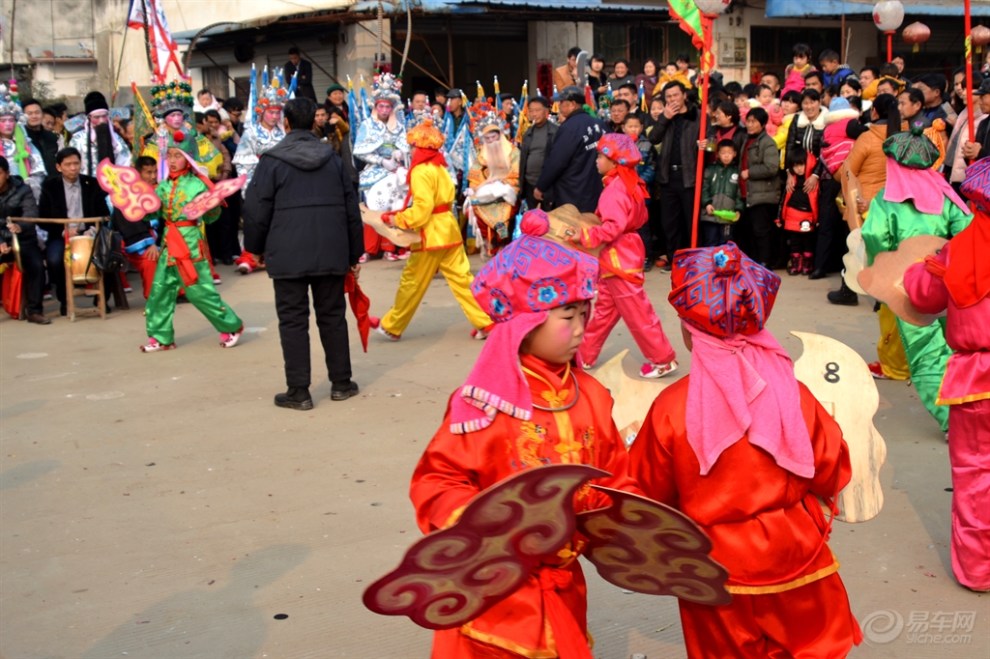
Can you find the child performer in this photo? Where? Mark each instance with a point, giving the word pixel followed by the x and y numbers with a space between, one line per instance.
pixel 182 262
pixel 525 404
pixel 439 250
pixel 720 192
pixel 799 212
pixel 622 209
pixel 141 239
pixel 958 279
pixel 746 451
pixel 916 200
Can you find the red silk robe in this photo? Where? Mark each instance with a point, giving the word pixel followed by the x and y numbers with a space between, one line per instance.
pixel 767 528
pixel 546 616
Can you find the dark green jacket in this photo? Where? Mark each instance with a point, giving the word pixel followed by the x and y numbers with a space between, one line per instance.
pixel 721 190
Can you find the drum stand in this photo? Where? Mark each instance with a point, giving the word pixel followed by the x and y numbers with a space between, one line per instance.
pixel 98 290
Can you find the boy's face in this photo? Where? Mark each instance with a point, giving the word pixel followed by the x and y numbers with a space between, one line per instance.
pixel 765 97
pixel 603 164
pixel 798 169
pixel 632 128
pixel 176 160
pixel 670 70
pixel 829 66
pixel 727 154
pixel 557 340
pixel 149 174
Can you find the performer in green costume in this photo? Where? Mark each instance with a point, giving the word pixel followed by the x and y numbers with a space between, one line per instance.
pixel 182 263
pixel 916 201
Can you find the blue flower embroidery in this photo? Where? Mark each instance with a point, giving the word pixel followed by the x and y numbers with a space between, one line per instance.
pixel 547 294
pixel 498 307
pixel 721 258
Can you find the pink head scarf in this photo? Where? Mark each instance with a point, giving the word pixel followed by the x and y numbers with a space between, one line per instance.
pixel 525 280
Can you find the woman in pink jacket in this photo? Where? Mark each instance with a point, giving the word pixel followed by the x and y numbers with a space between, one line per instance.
pixel 622 209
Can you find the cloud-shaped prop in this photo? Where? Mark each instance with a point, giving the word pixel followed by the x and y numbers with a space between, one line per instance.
pixel 454 575
pixel 647 547
pixel 128 192
pixel 207 201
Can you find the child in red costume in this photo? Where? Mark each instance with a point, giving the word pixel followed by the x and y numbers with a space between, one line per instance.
pixel 525 404
pixel 622 209
pixel 748 453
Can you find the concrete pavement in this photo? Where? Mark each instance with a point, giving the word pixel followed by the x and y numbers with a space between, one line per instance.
pixel 160 506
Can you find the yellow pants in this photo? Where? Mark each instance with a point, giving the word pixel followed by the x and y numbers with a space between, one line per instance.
pixel 890 348
pixel 453 264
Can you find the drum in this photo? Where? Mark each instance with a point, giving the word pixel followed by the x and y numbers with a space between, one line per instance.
pixel 80 253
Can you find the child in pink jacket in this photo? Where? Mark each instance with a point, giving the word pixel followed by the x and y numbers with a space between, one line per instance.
pixel 622 209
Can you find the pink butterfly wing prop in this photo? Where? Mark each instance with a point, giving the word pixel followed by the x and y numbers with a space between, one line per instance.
pixel 128 192
pixel 207 201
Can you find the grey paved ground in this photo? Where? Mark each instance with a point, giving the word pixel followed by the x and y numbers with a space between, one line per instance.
pixel 160 506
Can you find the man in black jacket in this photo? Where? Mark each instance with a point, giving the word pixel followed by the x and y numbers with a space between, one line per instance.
pixel 68 195
pixel 535 145
pixel 677 129
pixel 16 200
pixel 569 173
pixel 304 78
pixel 301 211
pixel 44 140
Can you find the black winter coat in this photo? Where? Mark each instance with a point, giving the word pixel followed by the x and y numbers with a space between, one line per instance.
pixel 301 210
pixel 47 144
pixel 569 171
pixel 661 134
pixel 18 201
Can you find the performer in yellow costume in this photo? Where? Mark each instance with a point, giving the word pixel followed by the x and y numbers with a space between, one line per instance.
pixel 440 247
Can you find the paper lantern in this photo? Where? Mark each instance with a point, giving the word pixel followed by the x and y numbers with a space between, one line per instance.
pixel 916 34
pixel 888 15
pixel 980 37
pixel 712 7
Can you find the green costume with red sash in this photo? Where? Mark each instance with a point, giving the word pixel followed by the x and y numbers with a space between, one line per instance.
pixel 182 264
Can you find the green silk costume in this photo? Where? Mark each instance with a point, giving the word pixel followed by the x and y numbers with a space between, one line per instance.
pixel 887 224
pixel 160 308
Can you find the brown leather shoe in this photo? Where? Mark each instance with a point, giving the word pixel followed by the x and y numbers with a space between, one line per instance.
pixel 38 319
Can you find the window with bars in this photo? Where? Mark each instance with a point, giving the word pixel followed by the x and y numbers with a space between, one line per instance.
pixel 638 43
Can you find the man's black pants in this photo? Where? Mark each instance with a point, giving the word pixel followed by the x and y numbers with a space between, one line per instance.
pixel 676 213
pixel 292 307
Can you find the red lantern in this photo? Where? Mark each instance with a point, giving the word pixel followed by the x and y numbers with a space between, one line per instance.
pixel 980 36
pixel 916 34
